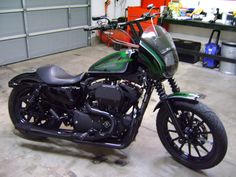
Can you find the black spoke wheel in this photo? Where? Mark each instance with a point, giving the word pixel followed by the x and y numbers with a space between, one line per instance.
pixel 204 144
pixel 22 110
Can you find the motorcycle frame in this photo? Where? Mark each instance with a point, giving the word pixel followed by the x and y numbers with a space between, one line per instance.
pixel 32 79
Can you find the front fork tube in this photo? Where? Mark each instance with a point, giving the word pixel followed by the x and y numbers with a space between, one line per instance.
pixel 173 118
pixel 146 99
pixel 137 122
pixel 161 92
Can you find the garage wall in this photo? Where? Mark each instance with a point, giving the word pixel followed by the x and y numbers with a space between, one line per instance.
pixel 98 8
pixel 117 9
pixel 32 28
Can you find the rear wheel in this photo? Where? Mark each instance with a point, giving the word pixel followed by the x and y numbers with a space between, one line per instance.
pixel 204 144
pixel 22 110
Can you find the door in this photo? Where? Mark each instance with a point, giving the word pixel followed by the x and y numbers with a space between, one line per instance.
pixel 33 28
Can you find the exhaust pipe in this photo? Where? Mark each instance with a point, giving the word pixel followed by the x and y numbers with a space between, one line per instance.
pixel 69 135
pixel 103 114
pixel 74 137
pixel 31 129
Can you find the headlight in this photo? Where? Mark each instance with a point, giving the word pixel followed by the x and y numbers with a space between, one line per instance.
pixel 171 60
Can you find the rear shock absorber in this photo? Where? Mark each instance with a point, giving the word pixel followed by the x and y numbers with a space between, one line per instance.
pixel 161 90
pixel 35 94
pixel 173 85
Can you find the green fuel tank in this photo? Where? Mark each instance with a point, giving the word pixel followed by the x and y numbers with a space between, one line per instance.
pixel 115 63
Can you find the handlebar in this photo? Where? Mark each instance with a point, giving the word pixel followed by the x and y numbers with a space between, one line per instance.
pixel 111 25
pixel 101 18
pixel 91 28
pixel 141 19
pixel 103 27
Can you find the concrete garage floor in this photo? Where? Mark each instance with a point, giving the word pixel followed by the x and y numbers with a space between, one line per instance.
pixel 146 157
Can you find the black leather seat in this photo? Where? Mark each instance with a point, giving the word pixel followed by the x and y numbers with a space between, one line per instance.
pixel 54 75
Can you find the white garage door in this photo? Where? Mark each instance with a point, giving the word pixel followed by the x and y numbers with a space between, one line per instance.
pixel 33 28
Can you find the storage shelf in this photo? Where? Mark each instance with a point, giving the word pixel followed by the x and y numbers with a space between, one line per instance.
pixel 197 23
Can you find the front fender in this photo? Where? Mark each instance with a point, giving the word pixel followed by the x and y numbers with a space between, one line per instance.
pixel 24 79
pixel 180 96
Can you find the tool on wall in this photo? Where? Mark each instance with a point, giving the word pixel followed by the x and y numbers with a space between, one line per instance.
pixel 107 3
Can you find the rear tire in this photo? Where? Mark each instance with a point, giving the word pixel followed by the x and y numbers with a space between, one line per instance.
pixel 20 112
pixel 205 142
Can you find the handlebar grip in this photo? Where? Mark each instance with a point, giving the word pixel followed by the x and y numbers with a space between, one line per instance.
pixel 97 18
pixel 90 28
pixel 122 23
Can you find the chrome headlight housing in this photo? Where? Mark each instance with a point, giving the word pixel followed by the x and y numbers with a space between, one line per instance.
pixel 171 61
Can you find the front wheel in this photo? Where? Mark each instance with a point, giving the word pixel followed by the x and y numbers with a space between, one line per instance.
pixel 204 144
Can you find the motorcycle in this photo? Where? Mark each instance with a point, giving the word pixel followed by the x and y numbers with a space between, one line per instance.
pixel 105 106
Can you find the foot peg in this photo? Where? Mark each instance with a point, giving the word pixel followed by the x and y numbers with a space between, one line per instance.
pixel 84 135
pixel 87 134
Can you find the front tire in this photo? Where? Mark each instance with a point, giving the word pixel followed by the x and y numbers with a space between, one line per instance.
pixel 205 141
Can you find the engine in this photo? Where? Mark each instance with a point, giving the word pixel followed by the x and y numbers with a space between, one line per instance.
pixel 116 99
pixel 112 99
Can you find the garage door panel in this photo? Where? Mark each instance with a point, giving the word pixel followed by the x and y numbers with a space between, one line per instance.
pixel 41 27
pixel 10 4
pixel 79 16
pixel 57 42
pixel 74 2
pixel 77 38
pixel 46 44
pixel 12 51
pixel 11 24
pixel 45 3
pixel 47 20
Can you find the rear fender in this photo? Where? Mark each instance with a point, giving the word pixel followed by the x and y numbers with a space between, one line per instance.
pixel 25 78
pixel 180 96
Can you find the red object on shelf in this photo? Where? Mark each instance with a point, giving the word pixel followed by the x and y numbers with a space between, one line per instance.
pixel 157 3
pixel 136 12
